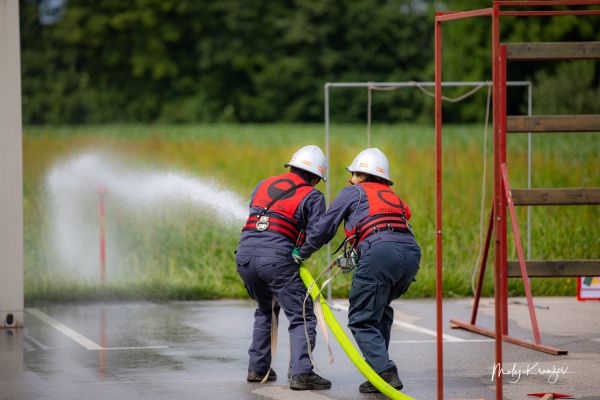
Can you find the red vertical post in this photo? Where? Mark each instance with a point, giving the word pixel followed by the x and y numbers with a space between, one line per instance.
pixel 517 235
pixel 101 195
pixel 497 201
pixel 438 209
pixel 503 205
pixel 486 248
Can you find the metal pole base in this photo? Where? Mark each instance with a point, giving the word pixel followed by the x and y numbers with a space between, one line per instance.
pixel 456 324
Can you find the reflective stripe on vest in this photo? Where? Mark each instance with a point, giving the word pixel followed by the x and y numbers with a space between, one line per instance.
pixel 278 225
pixel 386 212
pixel 281 213
pixel 382 222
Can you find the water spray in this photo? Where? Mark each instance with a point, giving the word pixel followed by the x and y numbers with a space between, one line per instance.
pixel 77 188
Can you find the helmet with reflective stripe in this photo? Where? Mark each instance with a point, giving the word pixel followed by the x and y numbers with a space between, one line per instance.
pixel 311 159
pixel 373 162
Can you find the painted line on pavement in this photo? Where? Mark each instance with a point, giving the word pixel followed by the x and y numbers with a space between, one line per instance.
pixel 65 330
pixel 78 337
pixel 407 325
pixel 284 393
pixel 134 348
pixel 36 343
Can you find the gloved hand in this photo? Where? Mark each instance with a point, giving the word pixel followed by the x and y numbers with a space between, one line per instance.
pixel 296 255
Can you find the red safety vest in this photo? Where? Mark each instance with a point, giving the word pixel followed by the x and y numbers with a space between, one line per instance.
pixel 386 212
pixel 279 216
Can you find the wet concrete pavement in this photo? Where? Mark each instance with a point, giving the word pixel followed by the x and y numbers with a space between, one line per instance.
pixel 198 350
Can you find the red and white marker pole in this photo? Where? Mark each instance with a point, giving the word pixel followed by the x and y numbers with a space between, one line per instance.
pixel 101 195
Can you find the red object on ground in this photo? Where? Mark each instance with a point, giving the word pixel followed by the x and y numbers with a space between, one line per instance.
pixel 554 395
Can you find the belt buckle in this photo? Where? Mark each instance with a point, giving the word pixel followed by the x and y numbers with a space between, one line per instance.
pixel 263 223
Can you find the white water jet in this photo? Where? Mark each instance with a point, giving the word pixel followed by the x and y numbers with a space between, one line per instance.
pixel 73 204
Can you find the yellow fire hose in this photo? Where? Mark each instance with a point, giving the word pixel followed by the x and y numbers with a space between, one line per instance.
pixel 346 344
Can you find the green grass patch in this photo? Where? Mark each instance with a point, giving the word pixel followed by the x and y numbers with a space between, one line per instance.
pixel 185 253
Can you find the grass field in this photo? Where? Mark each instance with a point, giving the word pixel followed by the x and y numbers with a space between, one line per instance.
pixel 185 253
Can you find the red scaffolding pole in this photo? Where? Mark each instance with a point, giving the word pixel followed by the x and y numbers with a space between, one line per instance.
pixel 502 194
pixel 546 3
pixel 438 209
pixel 500 228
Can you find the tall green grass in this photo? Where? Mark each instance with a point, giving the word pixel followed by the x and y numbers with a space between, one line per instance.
pixel 184 253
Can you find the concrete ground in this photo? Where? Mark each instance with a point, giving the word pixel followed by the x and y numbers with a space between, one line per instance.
pixel 198 350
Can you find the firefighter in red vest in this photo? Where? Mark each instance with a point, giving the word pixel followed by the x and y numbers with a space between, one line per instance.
pixel 381 249
pixel 283 209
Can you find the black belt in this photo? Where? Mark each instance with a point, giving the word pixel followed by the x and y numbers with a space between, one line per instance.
pixel 375 230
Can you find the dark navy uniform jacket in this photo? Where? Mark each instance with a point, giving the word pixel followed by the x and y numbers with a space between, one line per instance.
pixel 271 244
pixel 350 205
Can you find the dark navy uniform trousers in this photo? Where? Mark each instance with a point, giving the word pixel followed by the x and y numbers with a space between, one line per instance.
pixel 264 278
pixel 384 272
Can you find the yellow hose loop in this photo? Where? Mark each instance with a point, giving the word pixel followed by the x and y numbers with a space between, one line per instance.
pixel 346 344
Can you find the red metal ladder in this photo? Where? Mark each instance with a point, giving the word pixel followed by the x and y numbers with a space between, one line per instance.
pixel 566 196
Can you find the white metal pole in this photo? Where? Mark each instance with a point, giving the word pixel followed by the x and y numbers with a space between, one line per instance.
pixel 327 186
pixel 410 84
pixel 369 94
pixel 11 174
pixel 415 84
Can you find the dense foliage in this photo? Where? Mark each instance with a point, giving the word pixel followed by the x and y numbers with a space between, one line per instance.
pixel 228 60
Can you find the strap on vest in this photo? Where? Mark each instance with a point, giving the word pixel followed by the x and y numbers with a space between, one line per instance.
pixel 382 222
pixel 348 240
pixel 283 226
pixel 281 195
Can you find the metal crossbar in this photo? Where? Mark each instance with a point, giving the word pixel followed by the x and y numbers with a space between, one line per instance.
pixel 419 85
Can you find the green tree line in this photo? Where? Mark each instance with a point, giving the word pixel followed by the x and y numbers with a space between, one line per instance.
pixel 263 61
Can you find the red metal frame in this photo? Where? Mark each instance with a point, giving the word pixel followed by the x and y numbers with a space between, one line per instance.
pixel 486 248
pixel 498 210
pixel 440 18
pixel 547 13
pixel 498 215
pixel 517 236
pixel 549 3
pixel 438 211
pixel 448 16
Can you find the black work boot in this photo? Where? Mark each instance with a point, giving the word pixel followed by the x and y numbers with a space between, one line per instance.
pixel 254 376
pixel 309 381
pixel 390 375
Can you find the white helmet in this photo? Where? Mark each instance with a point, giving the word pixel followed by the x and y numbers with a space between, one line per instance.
pixel 311 159
pixel 373 162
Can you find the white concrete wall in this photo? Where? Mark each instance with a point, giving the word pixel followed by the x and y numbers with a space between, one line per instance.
pixel 11 166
